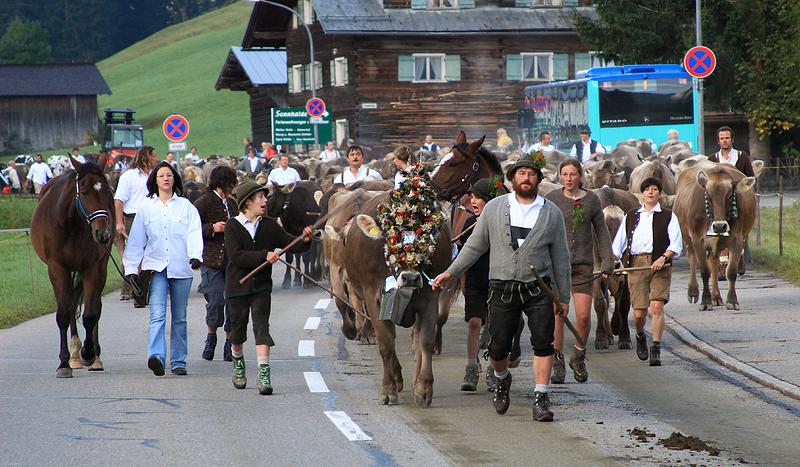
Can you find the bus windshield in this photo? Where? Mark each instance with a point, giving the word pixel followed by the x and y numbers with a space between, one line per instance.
pixel 637 102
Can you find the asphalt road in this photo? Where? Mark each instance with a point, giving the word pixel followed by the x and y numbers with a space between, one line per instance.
pixel 127 416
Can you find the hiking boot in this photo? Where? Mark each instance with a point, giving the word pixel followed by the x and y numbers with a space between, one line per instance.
pixel 491 379
pixel 227 355
pixel 239 376
pixel 641 347
pixel 471 376
pixel 264 380
pixel 154 363
pixel 541 407
pixel 179 371
pixel 559 371
pixel 655 355
pixel 211 345
pixel 502 398
pixel 578 365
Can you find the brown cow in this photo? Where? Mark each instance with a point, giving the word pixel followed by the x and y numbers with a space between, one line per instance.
pixel 366 271
pixel 716 208
pixel 603 173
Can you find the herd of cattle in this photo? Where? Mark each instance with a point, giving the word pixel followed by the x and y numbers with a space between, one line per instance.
pixel 715 205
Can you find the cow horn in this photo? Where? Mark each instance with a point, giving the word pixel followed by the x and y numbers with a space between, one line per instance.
pixel 331 232
pixel 758 166
pixel 368 225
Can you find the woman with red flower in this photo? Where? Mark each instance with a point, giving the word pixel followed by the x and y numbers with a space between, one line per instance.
pixel 583 219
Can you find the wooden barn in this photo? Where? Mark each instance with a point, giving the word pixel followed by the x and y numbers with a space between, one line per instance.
pixel 393 71
pixel 49 106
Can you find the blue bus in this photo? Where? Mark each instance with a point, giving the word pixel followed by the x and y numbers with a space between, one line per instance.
pixel 616 103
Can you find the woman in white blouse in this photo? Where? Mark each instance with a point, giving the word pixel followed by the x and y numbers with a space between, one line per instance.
pixel 166 238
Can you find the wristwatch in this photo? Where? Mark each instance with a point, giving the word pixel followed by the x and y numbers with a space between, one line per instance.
pixel 666 258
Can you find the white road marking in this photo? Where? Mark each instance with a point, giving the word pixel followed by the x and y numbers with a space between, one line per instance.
pixel 322 303
pixel 347 426
pixel 315 382
pixel 305 349
pixel 312 323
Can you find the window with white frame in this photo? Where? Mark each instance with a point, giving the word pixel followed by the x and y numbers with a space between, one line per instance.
pixel 339 71
pixel 429 67
pixel 595 60
pixel 298 79
pixel 537 66
pixel 546 3
pixel 305 10
pixel 342 132
pixel 442 4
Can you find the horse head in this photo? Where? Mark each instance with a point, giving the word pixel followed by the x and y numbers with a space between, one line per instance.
pixel 94 200
pixel 465 164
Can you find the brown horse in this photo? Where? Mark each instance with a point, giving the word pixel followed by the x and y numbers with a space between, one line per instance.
pixel 72 232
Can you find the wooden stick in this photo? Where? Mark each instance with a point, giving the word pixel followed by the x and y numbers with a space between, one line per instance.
pixel 455 239
pixel 294 242
pixel 633 269
pixel 554 296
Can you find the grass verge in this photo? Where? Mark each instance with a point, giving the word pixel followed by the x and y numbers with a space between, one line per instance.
pixel 768 254
pixel 15 213
pixel 24 285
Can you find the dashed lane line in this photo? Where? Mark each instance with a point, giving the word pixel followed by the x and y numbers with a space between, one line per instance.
pixel 315 382
pixel 347 426
pixel 305 349
pixel 312 323
pixel 322 303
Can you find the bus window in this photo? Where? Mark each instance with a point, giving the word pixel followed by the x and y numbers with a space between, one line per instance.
pixel 645 102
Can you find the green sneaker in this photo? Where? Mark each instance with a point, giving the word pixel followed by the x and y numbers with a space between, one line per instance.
pixel 264 382
pixel 239 376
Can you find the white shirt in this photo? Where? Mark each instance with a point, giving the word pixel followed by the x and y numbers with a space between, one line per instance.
pixel 165 236
pixel 398 179
pixel 192 157
pixel 364 173
pixel 39 173
pixel 248 225
pixel 80 158
pixel 327 156
pixel 642 240
pixel 279 176
pixel 433 147
pixel 253 164
pixel 547 147
pixel 13 177
pixel 132 190
pixel 586 152
pixel 524 215
pixel 733 157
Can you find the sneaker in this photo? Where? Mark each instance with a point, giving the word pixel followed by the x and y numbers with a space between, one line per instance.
pixel 491 379
pixel 655 355
pixel 179 371
pixel 559 371
pixel 264 380
pixel 541 407
pixel 227 355
pixel 641 347
pixel 239 376
pixel 578 365
pixel 502 398
pixel 154 363
pixel 471 376
pixel 211 345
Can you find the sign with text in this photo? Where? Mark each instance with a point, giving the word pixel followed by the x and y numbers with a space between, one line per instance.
pixel 177 146
pixel 293 125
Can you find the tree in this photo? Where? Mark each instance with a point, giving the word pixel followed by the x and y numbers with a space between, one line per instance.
pixel 24 42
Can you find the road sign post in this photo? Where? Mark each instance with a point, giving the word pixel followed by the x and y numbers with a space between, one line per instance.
pixel 700 62
pixel 176 129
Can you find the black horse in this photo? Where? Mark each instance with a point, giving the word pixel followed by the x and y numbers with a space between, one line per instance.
pixel 72 232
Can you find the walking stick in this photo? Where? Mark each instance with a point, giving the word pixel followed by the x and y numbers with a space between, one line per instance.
pixel 554 296
pixel 294 242
pixel 455 239
pixel 632 269
pixel 346 302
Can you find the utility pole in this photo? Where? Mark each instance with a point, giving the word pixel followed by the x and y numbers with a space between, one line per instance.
pixel 701 127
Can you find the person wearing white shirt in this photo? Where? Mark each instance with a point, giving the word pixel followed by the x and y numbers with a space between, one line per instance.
pixel 330 153
pixel 251 163
pixel 585 149
pixel 429 145
pixel 356 171
pixel 76 154
pixel 166 238
pixel 283 174
pixel 402 157
pixel 130 195
pixel 649 237
pixel 13 177
pixel 39 174
pixel 543 144
pixel 193 156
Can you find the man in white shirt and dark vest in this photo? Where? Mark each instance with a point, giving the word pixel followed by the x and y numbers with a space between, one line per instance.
pixel 355 171
pixel 585 149
pixel 649 237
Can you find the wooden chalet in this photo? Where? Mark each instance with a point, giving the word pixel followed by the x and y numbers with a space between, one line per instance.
pixel 49 106
pixel 392 71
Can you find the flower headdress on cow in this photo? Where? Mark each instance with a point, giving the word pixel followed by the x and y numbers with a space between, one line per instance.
pixel 410 220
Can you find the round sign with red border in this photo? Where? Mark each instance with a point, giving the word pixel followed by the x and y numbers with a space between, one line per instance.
pixel 176 128
pixel 315 107
pixel 700 61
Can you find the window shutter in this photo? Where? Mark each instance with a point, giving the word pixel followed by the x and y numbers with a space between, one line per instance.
pixel 452 67
pixel 523 3
pixel 301 10
pixel 290 79
pixel 466 4
pixel 419 4
pixel 345 72
pixel 514 67
pixel 306 77
pixel 405 68
pixel 582 62
pixel 560 67
pixel 318 68
pixel 333 72
pixel 571 2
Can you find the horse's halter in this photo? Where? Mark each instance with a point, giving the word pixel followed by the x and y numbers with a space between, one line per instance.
pixel 88 217
pixel 465 181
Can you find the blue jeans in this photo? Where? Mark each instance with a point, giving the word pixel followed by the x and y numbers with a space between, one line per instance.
pixel 178 290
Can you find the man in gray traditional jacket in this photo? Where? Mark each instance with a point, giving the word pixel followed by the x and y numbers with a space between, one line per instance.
pixel 521 230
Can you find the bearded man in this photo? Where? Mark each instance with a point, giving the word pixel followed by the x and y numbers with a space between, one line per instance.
pixel 520 230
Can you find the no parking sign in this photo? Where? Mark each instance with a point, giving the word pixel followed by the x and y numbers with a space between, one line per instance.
pixel 176 128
